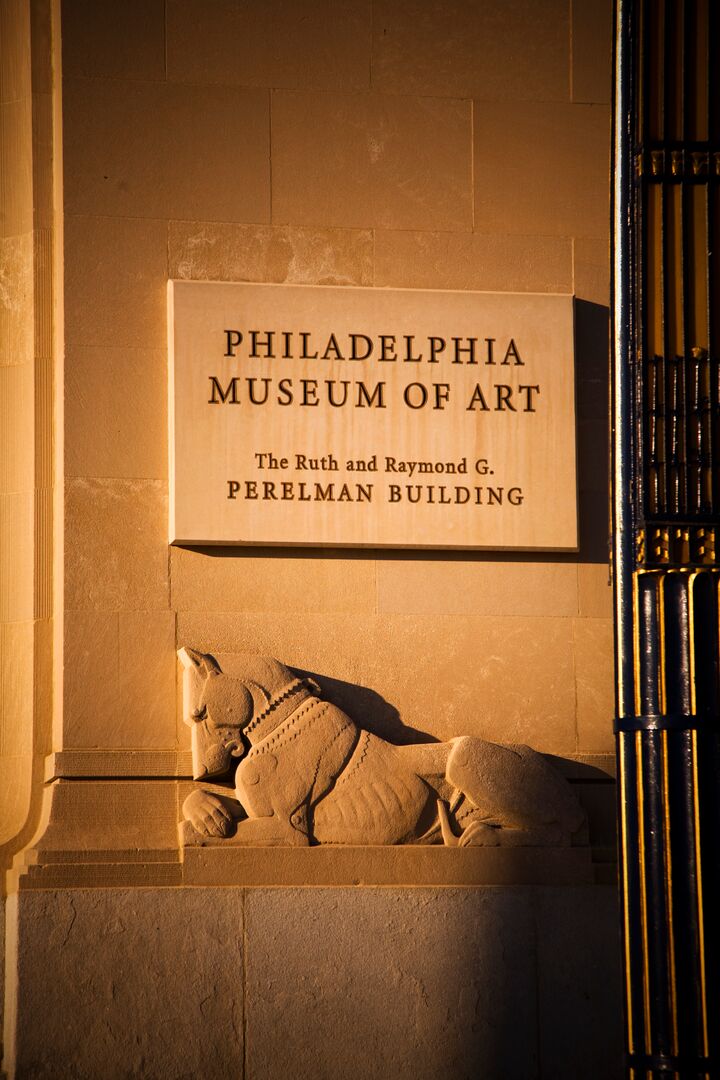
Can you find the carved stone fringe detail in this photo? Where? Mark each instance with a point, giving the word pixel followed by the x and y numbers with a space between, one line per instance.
pixel 274 705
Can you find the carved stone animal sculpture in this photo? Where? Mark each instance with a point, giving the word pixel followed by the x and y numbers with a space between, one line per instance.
pixel 307 774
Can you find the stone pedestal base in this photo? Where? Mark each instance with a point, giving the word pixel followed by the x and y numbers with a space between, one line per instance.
pixel 314 982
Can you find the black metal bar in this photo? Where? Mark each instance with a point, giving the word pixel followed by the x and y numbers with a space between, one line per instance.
pixel 630 892
pixel 681 272
pixel 709 807
pixel 660 722
pixel 658 961
pixel 694 1066
pixel 687 980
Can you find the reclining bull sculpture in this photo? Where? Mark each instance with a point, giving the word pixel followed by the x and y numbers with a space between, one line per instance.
pixel 305 773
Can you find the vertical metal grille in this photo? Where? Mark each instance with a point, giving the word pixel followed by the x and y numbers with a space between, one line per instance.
pixel 670 799
pixel 666 520
pixel 677 163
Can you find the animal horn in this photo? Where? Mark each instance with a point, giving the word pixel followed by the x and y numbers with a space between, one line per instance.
pixel 449 837
pixel 210 664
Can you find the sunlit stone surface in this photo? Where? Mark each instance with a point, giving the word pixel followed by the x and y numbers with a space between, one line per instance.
pixel 395 145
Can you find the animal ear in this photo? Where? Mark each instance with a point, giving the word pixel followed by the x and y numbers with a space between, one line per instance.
pixel 210 664
pixel 202 662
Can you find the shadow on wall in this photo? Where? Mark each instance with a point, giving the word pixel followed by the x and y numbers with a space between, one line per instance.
pixel 371 712
pixel 505 982
pixel 368 709
pixel 487 982
pixel 592 397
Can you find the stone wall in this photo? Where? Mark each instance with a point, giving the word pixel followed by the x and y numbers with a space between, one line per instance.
pixel 399 143
pixel 269 984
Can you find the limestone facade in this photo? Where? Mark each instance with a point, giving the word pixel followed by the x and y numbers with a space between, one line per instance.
pixel 387 143
pixel 233 147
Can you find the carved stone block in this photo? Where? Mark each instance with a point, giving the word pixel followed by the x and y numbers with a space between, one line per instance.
pixel 277 765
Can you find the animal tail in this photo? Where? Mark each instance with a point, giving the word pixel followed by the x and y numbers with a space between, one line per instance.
pixel 449 837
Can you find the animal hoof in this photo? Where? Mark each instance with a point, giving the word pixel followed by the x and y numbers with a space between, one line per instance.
pixel 480 835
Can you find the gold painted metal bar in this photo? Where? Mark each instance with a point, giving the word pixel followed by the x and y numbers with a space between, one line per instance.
pixel 623 271
pixel 674 45
pixel 696 812
pixel 637 672
pixel 622 783
pixel 697 111
pixel 698 844
pixel 697 276
pixel 653 274
pixel 656 65
pixel 660 586
pixel 700 908
pixel 647 1019
pixel 668 867
pixel 673 270
pixel 713 247
pixel 691 640
pixel 714 190
pixel 667 833
pixel 642 119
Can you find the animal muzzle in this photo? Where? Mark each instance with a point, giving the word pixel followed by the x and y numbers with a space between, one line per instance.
pixel 216 762
pixel 211 757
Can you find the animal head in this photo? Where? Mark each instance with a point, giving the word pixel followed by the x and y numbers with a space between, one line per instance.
pixel 219 707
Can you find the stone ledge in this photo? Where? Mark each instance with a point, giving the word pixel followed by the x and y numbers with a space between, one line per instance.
pixel 93 876
pixel 253 867
pixel 409 866
pixel 106 764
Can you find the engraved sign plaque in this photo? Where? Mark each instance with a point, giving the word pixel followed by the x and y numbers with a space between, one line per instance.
pixel 324 415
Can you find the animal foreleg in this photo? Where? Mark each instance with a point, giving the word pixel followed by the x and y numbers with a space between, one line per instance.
pixel 211 812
